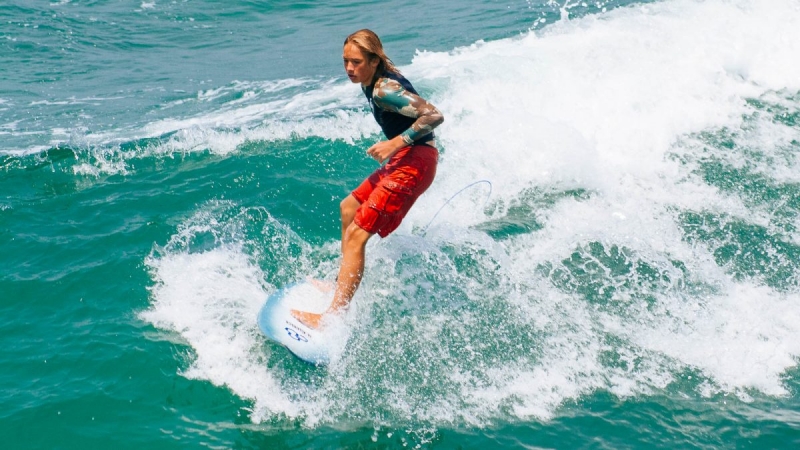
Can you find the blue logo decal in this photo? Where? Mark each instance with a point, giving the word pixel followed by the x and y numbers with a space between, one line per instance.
pixel 295 335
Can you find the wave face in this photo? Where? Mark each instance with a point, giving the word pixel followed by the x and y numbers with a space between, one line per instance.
pixel 633 254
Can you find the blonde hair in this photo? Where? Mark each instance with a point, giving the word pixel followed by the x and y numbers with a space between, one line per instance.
pixel 370 45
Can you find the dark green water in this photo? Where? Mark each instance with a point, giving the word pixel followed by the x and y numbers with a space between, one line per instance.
pixel 629 281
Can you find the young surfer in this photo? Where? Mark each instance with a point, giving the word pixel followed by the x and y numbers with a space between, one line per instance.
pixel 379 204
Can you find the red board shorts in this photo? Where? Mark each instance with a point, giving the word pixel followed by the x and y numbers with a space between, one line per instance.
pixel 388 194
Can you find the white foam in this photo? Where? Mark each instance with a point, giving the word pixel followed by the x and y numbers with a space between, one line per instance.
pixel 598 104
pixel 326 113
pixel 744 338
pixel 211 300
pixel 609 94
pixel 200 135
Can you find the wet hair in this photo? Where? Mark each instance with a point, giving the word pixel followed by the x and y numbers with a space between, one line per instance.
pixel 370 45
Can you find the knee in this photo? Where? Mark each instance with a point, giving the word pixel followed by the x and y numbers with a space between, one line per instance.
pixel 348 206
pixel 356 237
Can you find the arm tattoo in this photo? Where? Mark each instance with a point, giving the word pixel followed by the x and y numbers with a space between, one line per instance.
pixel 392 96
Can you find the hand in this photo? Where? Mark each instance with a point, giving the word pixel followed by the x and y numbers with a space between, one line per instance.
pixel 385 149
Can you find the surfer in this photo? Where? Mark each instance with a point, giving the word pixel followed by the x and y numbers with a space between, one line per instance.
pixel 379 204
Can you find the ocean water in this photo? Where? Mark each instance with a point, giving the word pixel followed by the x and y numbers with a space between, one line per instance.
pixel 608 258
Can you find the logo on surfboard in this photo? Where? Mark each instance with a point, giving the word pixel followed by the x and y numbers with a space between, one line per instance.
pixel 295 335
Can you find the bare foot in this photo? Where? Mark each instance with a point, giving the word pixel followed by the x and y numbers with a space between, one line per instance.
pixel 309 319
pixel 323 286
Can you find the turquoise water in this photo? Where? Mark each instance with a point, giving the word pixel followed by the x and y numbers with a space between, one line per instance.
pixel 629 281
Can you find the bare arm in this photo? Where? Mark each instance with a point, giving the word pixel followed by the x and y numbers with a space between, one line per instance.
pixel 392 96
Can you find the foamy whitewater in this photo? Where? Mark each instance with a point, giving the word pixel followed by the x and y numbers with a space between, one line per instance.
pixel 608 257
pixel 593 129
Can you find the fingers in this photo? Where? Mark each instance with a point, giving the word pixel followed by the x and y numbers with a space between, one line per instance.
pixel 374 153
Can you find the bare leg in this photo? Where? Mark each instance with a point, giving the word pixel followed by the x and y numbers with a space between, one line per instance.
pixel 347 209
pixel 352 267
pixel 351 270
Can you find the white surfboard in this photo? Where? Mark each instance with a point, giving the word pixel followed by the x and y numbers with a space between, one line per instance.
pixel 315 346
